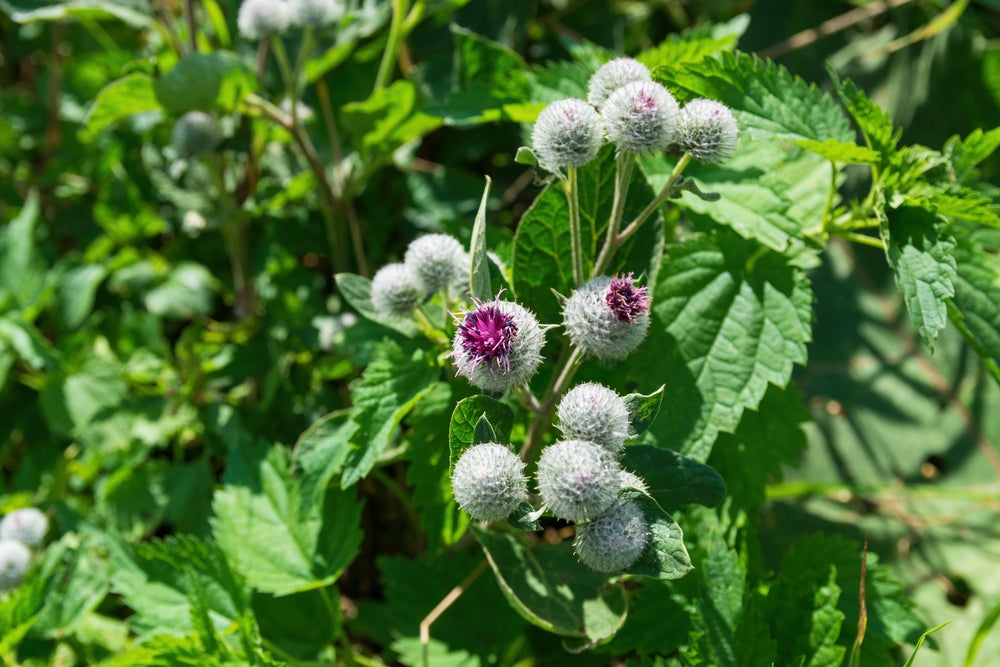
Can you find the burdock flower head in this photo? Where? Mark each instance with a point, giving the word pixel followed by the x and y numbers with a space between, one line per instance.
pixel 613 75
pixel 568 133
pixel 641 117
pixel 498 345
pixel 708 130
pixel 607 317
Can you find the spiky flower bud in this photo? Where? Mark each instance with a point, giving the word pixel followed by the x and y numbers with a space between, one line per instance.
pixel 614 541
pixel 641 117
pixel 27 526
pixel 195 133
pixel 489 481
pixel 568 133
pixel 578 480
pixel 258 19
pixel 314 13
pixel 611 76
pixel 592 412
pixel 498 345
pixel 607 317
pixel 707 130
pixel 15 558
pixel 437 261
pixel 394 290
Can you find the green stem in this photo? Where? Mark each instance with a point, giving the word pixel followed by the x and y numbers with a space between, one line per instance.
pixel 573 200
pixel 569 360
pixel 863 239
pixel 654 205
pixel 305 50
pixel 284 66
pixel 399 9
pixel 442 606
pixel 623 176
pixel 346 652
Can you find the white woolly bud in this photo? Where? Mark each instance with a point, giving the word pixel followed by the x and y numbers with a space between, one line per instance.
pixel 437 261
pixel 314 13
pixel 611 76
pixel 489 481
pixel 568 133
pixel 15 558
pixel 498 345
pixel 641 117
pixel 707 130
pixel 614 541
pixel 28 526
pixel 578 480
pixel 394 290
pixel 195 133
pixel 592 412
pixel 607 317
pixel 258 19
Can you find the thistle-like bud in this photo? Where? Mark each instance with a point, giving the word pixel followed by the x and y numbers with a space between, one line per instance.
pixel 568 133
pixel 614 541
pixel 489 481
pixel 578 480
pixel 607 317
pixel 611 76
pixel 258 19
pixel 394 290
pixel 498 345
pixel 641 117
pixel 314 13
pixel 707 130
pixel 592 412
pixel 28 526
pixel 437 261
pixel 15 558
pixel 195 133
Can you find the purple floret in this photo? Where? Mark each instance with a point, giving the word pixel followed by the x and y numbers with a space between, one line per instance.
pixel 486 334
pixel 626 300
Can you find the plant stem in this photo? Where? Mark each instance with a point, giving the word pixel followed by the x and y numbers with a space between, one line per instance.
pixel 399 9
pixel 569 360
pixel 623 176
pixel 442 606
pixel 192 25
pixel 863 239
pixel 654 205
pixel 573 200
pixel 305 50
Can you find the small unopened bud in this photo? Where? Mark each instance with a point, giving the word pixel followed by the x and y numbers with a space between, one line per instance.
pixel 641 117
pixel 489 481
pixel 258 19
pixel 314 13
pixel 498 345
pixel 707 130
pixel 15 558
pixel 195 133
pixel 437 261
pixel 568 133
pixel 28 526
pixel 394 290
pixel 614 541
pixel 578 480
pixel 611 76
pixel 607 317
pixel 592 412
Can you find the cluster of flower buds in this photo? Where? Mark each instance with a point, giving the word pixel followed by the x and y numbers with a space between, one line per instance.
pixel 432 263
pixel 638 115
pixel 259 19
pixel 20 531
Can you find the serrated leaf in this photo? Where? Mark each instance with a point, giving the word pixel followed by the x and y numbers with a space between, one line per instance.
pixel 673 480
pixel 387 120
pixel 480 286
pixel 206 82
pixel 19 611
pixel 357 290
pixel 691 46
pixel 131 94
pixel 642 410
pixel 665 556
pixel 74 567
pixel 872 120
pixel 278 540
pixel 922 264
pixel 549 587
pixel 322 451
pixel 466 417
pixel 965 154
pixel 975 309
pixel 729 318
pixel 542 260
pixel 840 151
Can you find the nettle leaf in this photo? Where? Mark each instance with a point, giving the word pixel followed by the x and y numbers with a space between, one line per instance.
pixel 480 286
pixel 387 120
pixel 549 587
pixel 921 261
pixel 206 82
pixel 357 291
pixel 872 120
pixel 965 154
pixel 279 540
pixel 133 93
pixel 846 152
pixel 465 430
pixel 729 317
pixel 19 610
pixel 975 309
pixel 542 262
pixel 665 556
pixel 673 480
pixel 693 46
pixel 642 410
pixel 74 567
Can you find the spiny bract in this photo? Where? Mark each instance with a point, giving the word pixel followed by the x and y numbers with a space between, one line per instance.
pixel 707 131
pixel 314 13
pixel 489 481
pixel 258 19
pixel 195 133
pixel 27 526
pixel 15 558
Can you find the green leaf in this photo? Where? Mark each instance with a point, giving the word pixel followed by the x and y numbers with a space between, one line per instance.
pixel 920 642
pixel 26 342
pixel 690 47
pixel 279 540
pixel 985 626
pixel 542 261
pixel 526 156
pixel 652 608
pixel 77 290
pixel 873 121
pixel 206 82
pixel 322 451
pixel 922 264
pixel 131 94
pixel 465 420
pixel 673 480
pixel 185 292
pixel 71 402
pixel 74 567
pixel 549 587
pixel 975 309
pixel 480 286
pixel 28 11
pixel 387 120
pixel 357 290
pixel 729 317
pixel 965 154
pixel 22 271
pixel 665 556
pixel 19 611
pixel 642 410
pixel 847 152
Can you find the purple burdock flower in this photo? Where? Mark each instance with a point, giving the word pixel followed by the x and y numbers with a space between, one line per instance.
pixel 497 345
pixel 626 300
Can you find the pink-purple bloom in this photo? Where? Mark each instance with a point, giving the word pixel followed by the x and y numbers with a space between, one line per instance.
pixel 626 300
pixel 486 334
pixel 497 345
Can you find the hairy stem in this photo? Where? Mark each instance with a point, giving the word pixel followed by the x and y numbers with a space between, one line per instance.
pixel 573 200
pixel 569 360
pixel 654 205
pixel 399 9
pixel 623 176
